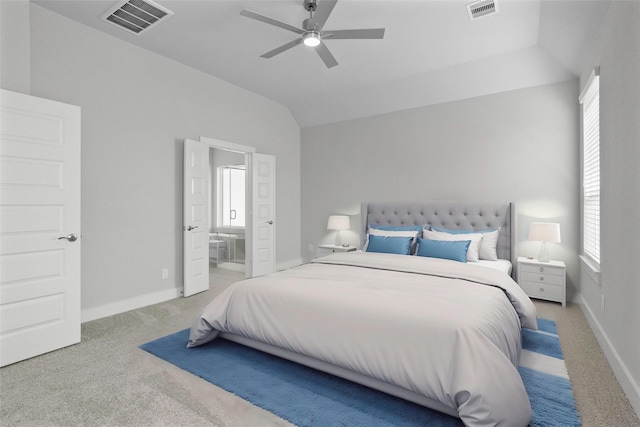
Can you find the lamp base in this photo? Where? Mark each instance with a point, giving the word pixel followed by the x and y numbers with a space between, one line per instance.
pixel 543 256
pixel 338 241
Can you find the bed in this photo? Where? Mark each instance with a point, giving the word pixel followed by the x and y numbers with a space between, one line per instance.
pixel 441 333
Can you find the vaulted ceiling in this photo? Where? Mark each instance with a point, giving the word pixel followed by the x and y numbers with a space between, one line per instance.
pixel 432 52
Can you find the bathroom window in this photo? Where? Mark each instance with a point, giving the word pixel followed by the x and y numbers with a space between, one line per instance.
pixel 231 196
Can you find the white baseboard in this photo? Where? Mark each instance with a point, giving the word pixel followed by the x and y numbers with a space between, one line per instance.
pixel 107 310
pixel 627 382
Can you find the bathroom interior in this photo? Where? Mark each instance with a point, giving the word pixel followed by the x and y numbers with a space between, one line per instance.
pixel 227 210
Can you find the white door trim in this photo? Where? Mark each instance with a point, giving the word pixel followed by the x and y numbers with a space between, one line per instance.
pixel 224 145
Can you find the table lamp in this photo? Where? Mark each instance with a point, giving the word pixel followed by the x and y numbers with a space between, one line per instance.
pixel 338 222
pixel 544 232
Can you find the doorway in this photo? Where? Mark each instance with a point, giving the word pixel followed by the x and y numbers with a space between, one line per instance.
pixel 259 230
pixel 227 209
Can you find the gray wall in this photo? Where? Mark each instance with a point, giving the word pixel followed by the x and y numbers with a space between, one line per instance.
pixel 137 108
pixel 15 73
pixel 520 146
pixel 618 55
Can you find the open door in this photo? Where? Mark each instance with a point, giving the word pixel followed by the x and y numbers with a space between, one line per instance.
pixel 40 226
pixel 263 189
pixel 196 217
pixel 260 203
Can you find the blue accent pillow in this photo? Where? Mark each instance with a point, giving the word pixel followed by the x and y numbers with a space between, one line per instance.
pixel 390 245
pixel 446 230
pixel 397 227
pixel 455 250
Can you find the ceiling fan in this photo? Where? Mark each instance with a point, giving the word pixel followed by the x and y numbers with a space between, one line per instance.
pixel 312 33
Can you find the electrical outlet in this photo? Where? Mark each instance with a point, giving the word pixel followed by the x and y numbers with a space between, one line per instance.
pixel 602 302
pixel 165 273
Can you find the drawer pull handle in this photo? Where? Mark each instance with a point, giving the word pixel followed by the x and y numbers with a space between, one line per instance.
pixel 542 278
pixel 541 269
pixel 541 289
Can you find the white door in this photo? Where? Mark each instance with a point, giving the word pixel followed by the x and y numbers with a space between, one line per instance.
pixel 39 226
pixel 196 217
pixel 263 187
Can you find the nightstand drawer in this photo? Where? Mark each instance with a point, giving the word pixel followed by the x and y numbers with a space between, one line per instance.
pixel 543 290
pixel 541 278
pixel 540 269
pixel 324 252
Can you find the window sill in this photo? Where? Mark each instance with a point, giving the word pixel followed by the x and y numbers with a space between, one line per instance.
pixel 591 268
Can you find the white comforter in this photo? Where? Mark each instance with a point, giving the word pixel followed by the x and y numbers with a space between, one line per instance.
pixel 445 330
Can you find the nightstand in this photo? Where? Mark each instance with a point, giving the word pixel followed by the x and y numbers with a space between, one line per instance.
pixel 324 250
pixel 543 280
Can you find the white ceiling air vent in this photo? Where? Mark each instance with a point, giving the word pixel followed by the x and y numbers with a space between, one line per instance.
pixel 136 16
pixel 481 8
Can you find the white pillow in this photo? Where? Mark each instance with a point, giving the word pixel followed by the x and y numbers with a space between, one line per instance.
pixel 473 253
pixel 391 233
pixel 489 244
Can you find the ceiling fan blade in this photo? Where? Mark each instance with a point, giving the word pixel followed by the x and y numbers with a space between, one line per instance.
pixel 254 15
pixel 326 56
pixel 282 48
pixel 370 33
pixel 324 9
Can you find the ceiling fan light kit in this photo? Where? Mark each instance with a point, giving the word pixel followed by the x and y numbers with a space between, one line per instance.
pixel 311 33
pixel 311 38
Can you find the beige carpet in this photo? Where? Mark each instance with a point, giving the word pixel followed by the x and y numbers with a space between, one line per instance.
pixel 107 381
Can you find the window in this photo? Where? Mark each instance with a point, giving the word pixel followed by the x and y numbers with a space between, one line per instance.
pixel 590 100
pixel 231 196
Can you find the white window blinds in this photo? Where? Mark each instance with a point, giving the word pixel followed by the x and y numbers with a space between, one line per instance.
pixel 590 100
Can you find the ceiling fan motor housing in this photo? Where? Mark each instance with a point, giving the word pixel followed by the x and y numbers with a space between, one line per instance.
pixel 308 24
pixel 310 5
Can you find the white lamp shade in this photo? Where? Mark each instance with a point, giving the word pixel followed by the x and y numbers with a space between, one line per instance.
pixel 338 222
pixel 544 232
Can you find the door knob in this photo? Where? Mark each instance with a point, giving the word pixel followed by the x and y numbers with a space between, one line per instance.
pixel 70 237
pixel 189 227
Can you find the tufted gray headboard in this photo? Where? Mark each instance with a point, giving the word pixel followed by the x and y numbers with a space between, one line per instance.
pixel 452 215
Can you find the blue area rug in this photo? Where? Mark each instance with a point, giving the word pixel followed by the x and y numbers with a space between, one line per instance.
pixel 307 397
